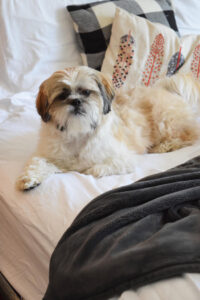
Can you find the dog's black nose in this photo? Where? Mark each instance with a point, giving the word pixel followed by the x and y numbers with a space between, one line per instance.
pixel 75 102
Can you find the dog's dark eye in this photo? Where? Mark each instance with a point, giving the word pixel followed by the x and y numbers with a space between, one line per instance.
pixel 86 93
pixel 62 96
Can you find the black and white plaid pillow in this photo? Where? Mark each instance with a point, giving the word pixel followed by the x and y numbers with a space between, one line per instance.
pixel 93 23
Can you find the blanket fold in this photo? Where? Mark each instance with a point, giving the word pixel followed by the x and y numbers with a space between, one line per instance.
pixel 131 236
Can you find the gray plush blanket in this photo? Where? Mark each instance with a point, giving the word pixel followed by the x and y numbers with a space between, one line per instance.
pixel 131 236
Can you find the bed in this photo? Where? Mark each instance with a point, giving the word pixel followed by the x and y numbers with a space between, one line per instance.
pixel 38 38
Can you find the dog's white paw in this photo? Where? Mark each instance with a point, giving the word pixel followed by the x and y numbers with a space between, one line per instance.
pixel 99 170
pixel 25 182
pixel 117 167
pixel 35 172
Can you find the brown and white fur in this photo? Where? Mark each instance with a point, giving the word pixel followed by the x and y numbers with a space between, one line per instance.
pixel 89 129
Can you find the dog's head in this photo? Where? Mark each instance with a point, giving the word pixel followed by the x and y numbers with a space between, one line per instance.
pixel 75 99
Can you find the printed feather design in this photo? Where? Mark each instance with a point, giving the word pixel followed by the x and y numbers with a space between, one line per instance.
pixel 124 60
pixel 195 64
pixel 154 61
pixel 175 63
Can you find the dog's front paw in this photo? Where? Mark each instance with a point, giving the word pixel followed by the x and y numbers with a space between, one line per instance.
pixel 35 172
pixel 99 170
pixel 26 183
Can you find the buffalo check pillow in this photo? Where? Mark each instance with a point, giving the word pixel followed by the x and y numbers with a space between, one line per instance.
pixel 93 23
pixel 141 52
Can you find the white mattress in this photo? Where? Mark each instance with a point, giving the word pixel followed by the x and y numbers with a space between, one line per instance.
pixel 32 222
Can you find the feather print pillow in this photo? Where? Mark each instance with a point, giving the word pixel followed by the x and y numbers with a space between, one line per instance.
pixel 141 52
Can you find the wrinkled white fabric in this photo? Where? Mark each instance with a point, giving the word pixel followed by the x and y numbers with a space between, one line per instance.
pixel 187 16
pixel 37 38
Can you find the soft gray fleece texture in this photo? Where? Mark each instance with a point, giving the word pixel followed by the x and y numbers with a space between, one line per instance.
pixel 131 236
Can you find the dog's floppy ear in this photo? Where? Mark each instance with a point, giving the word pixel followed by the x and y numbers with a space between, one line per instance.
pixel 42 104
pixel 107 92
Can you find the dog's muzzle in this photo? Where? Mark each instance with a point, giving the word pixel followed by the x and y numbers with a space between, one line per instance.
pixel 77 104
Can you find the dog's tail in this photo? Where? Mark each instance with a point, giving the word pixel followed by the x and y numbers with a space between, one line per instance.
pixel 186 86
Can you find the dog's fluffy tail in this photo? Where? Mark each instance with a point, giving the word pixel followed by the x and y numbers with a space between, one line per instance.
pixel 186 86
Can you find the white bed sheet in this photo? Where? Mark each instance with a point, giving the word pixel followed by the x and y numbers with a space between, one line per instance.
pixel 187 16
pixel 32 222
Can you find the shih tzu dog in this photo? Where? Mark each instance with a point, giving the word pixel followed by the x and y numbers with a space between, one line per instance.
pixel 87 128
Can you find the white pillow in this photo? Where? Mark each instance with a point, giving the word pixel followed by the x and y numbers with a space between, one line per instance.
pixel 37 38
pixel 141 52
pixel 187 16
